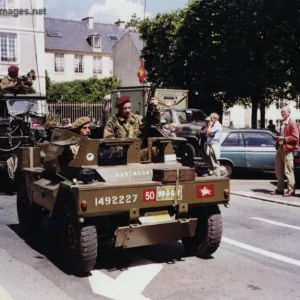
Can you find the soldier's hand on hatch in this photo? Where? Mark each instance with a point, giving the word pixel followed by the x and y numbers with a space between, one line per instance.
pixel 154 101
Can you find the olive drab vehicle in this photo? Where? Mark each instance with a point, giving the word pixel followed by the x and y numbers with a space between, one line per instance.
pixel 131 192
pixel 168 98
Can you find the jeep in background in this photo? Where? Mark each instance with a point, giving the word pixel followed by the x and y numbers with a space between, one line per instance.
pixel 22 119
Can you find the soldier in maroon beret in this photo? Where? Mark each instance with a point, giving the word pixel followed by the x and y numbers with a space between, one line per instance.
pixel 10 81
pixel 13 71
pixel 125 123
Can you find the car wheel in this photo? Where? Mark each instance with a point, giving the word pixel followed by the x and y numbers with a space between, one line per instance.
pixel 226 170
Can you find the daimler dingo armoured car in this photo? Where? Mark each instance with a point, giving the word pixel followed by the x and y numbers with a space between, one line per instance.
pixel 128 191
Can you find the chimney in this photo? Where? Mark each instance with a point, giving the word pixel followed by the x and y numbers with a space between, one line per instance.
pixel 89 22
pixel 120 24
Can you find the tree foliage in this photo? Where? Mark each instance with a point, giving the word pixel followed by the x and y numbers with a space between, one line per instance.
pixel 89 90
pixel 227 51
pixel 160 51
pixel 134 22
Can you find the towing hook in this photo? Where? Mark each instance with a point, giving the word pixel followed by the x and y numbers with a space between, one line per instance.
pixel 227 205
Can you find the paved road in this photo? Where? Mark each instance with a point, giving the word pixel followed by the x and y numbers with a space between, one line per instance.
pixel 258 259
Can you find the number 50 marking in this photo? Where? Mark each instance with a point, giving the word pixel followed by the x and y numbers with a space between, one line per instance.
pixel 149 195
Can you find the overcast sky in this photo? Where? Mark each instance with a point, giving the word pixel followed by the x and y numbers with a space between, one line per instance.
pixel 108 11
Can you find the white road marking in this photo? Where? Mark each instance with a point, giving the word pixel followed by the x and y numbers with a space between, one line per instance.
pixel 276 223
pixel 128 285
pixel 262 252
pixel 4 295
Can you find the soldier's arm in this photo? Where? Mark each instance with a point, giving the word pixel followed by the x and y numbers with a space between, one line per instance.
pixel 109 129
pixel 6 83
pixel 153 119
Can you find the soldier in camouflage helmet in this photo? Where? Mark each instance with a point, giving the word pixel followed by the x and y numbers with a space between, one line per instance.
pixel 125 123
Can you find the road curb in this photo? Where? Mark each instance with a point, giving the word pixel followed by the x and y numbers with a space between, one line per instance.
pixel 267 199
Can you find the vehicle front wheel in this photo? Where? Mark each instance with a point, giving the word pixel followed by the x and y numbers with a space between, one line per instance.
pixel 208 234
pixel 80 246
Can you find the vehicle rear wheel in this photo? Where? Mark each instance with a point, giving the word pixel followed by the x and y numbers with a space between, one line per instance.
pixel 80 246
pixel 30 215
pixel 208 234
pixel 187 154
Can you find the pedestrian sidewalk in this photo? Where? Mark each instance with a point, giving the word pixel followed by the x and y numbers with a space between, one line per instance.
pixel 260 189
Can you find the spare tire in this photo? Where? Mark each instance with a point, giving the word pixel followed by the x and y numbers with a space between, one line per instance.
pixel 187 154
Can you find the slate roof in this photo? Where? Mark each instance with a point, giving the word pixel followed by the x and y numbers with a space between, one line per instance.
pixel 137 41
pixel 74 35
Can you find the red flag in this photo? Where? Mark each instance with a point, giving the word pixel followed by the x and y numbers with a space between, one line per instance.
pixel 141 74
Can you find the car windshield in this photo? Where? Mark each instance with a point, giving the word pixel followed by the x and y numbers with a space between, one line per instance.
pixel 39 107
pixel 190 116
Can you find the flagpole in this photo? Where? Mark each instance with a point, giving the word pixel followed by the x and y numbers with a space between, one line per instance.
pixel 145 3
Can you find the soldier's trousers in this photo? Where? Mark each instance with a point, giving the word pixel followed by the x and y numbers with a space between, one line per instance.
pixel 214 161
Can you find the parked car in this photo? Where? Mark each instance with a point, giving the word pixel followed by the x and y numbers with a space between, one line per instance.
pixel 249 149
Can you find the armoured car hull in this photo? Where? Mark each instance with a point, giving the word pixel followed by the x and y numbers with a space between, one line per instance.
pixel 101 195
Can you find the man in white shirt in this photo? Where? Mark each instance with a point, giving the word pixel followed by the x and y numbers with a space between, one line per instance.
pixel 213 143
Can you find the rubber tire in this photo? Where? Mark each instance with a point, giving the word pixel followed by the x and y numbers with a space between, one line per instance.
pixel 84 259
pixel 208 234
pixel 187 150
pixel 228 168
pixel 15 146
pixel 30 215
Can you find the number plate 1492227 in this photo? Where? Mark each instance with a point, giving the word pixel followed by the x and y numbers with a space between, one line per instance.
pixel 116 200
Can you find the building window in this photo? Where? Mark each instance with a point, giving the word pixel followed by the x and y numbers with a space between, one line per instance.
pixel 59 62
pixel 96 41
pixel 280 103
pixel 278 124
pixel 7 4
pixel 111 66
pixel 8 47
pixel 226 118
pixel 78 63
pixel 97 65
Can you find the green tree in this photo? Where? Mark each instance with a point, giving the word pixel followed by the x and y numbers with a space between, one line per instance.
pixel 160 50
pixel 226 52
pixel 89 90
pixel 134 21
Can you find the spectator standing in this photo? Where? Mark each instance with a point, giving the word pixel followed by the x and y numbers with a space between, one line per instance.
pixel 272 127
pixel 286 143
pixel 213 142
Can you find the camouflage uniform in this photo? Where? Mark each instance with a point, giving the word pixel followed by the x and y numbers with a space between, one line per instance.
pixel 119 127
pixel 9 82
pixel 21 85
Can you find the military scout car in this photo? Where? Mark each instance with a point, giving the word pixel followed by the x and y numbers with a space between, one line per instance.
pixel 130 192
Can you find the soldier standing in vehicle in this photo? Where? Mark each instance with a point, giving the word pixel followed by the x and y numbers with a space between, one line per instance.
pixel 10 81
pixel 125 123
